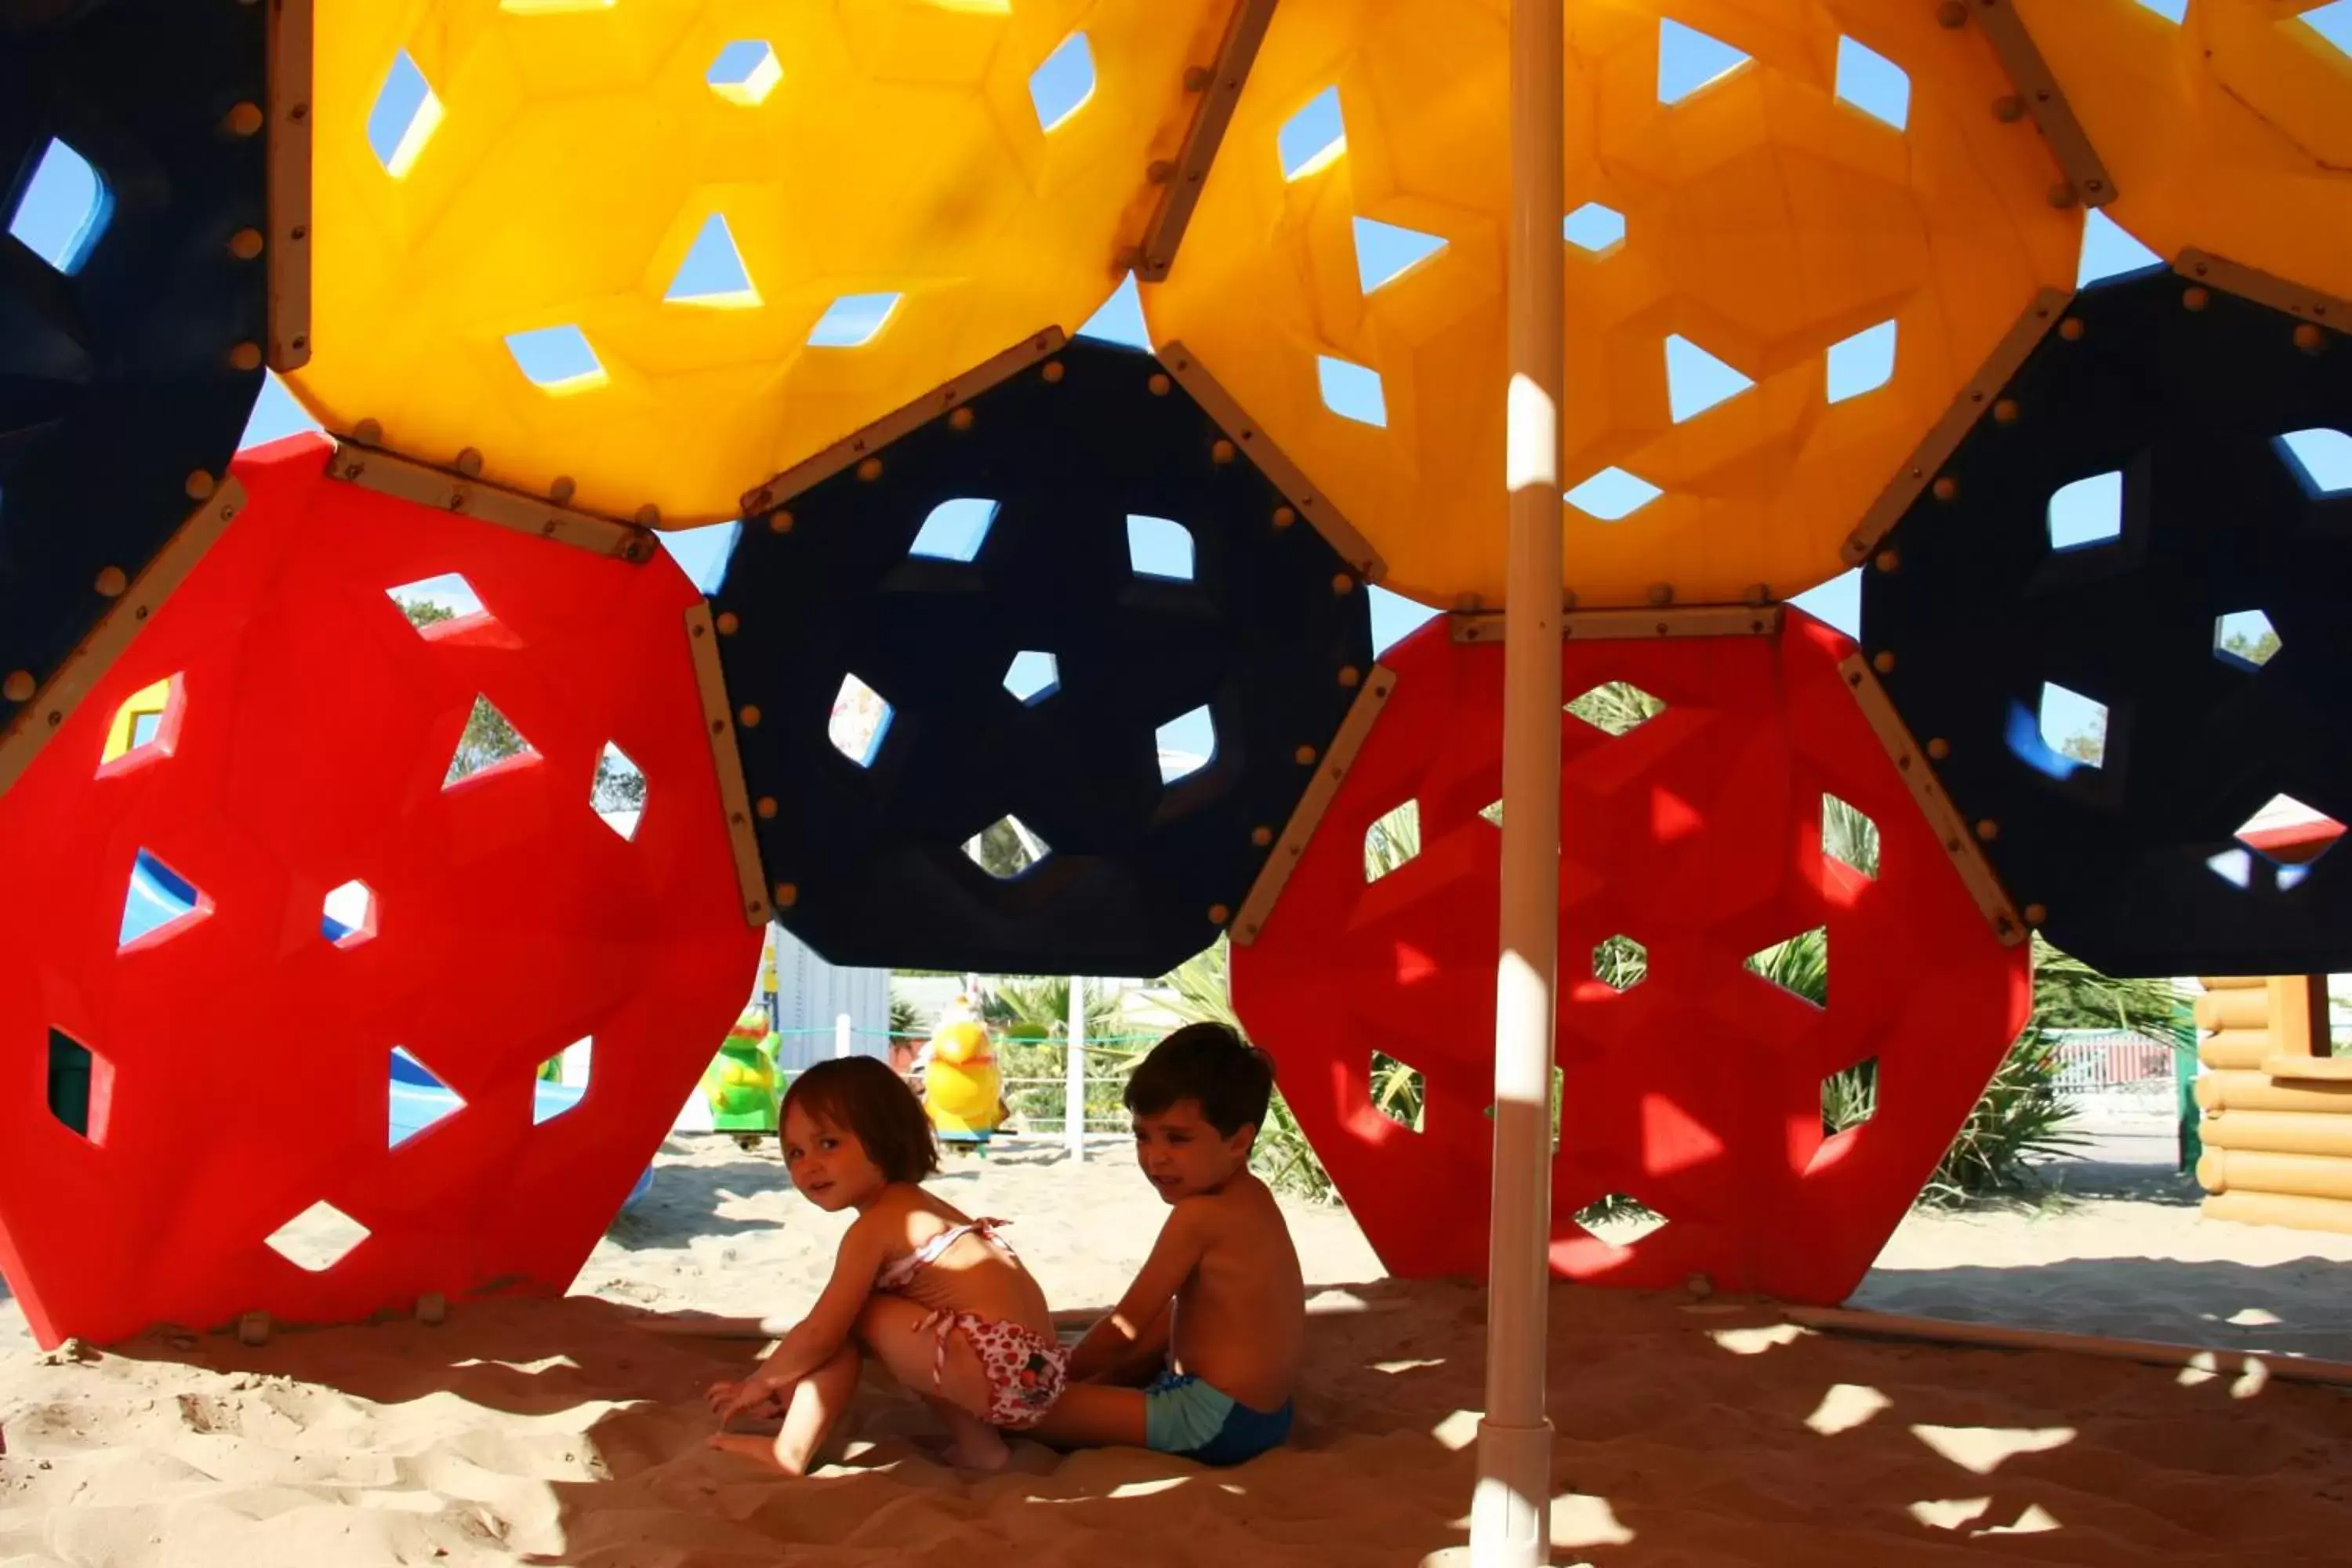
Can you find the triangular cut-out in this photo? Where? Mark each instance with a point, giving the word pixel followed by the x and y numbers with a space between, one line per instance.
pixel 713 273
pixel 1696 381
pixel 489 741
pixel 1385 252
pixel 318 1238
pixel 1689 59
pixel 417 1099
pixel 159 904
pixel 1392 840
pixel 1399 1092
pixel 2109 250
pixel 1120 318
pixel 1618 1219
pixel 1798 964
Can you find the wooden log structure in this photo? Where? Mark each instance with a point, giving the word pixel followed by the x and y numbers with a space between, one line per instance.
pixel 2278 1105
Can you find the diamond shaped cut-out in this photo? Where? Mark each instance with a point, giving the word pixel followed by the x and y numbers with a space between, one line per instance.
pixel 618 794
pixel 557 360
pixel 1873 83
pixel 347 917
pixel 1033 677
pixel 1594 227
pixel 955 529
pixel 1158 547
pixel 1798 965
pixel 1312 138
pixel 65 208
pixel 1007 848
pixel 1849 1097
pixel 1696 381
pixel 2322 457
pixel 1385 252
pixel 1352 391
pixel 430 603
pixel 2088 512
pixel 1187 743
pixel 1618 1220
pixel 563 1080
pixel 1620 964
pixel 1849 837
pixel 1863 362
pixel 1392 840
pixel 318 1238
pixel 1060 88
pixel 146 727
pixel 159 905
pixel 745 72
pixel 405 114
pixel 2289 833
pixel 2074 725
pixel 860 721
pixel 852 321
pixel 1617 708
pixel 1612 494
pixel 488 744
pixel 2245 638
pixel 1399 1092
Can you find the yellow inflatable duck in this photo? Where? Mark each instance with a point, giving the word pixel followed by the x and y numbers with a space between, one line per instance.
pixel 963 1089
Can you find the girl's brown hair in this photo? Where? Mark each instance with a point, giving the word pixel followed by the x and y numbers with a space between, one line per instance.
pixel 864 1096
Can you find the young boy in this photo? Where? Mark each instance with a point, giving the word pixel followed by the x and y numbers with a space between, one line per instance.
pixel 1199 1356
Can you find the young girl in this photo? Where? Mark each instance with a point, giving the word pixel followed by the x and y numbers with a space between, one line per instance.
pixel 932 1294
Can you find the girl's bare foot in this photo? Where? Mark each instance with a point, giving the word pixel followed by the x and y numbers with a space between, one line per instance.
pixel 977 1448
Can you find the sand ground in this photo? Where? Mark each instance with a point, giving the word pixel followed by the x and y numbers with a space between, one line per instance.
pixel 1692 1435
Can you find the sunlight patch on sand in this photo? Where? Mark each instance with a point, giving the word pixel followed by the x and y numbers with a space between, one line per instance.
pixel 1756 1341
pixel 1981 1449
pixel 1846 1406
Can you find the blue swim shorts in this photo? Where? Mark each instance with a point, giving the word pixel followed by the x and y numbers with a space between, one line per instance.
pixel 1185 1416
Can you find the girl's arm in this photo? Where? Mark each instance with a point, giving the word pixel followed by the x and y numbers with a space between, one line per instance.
pixel 1173 1257
pixel 812 1341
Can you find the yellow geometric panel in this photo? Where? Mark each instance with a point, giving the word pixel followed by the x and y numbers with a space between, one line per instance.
pixel 2228 131
pixel 664 248
pixel 1745 212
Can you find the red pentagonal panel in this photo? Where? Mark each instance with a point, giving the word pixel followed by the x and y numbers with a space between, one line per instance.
pixel 1695 836
pixel 173 1094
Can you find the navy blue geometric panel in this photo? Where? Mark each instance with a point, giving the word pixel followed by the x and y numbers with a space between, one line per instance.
pixel 2121 619
pixel 1037 688
pixel 132 160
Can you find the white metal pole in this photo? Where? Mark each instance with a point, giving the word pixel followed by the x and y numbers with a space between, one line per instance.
pixel 1074 1101
pixel 841 1045
pixel 1510 1513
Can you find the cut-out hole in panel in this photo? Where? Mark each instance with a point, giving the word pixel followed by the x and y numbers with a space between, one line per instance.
pixel 1863 362
pixel 1492 812
pixel 1849 1097
pixel 1312 138
pixel 1798 964
pixel 2332 22
pixel 1119 318
pixel 2074 725
pixel 2170 10
pixel 2245 638
pixel 78 1083
pixel 347 915
pixel 2088 512
pixel 1873 83
pixel 712 274
pixel 318 1238
pixel 1007 848
pixel 852 321
pixel 1392 839
pixel 1594 227
pixel 1385 252
pixel 2109 250
pixel 2323 457
pixel 1352 391
pixel 63 210
pixel 954 529
pixel 1061 86
pixel 746 71
pixel 1158 547
pixel 1619 963
pixel 1616 706
pixel 1689 59
pixel 488 740
pixel 1612 495
pixel 432 602
pixel 418 1097
pixel 557 360
pixel 2288 834
pixel 562 1081
pixel 1187 742
pixel 159 905
pixel 1399 1092
pixel 860 721
pixel 146 725
pixel 1849 837
pixel 1696 381
pixel 1618 1220
pixel 406 114
pixel 617 795
pixel 1033 677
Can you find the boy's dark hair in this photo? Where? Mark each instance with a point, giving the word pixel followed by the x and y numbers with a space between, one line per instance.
pixel 1231 1079
pixel 863 1096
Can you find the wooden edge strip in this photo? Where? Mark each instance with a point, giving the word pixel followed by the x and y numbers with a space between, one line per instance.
pixel 443 491
pixel 2263 288
pixel 1944 438
pixel 1994 1336
pixel 291 38
pixel 1317 508
pixel 1330 770
pixel 1628 626
pixel 992 370
pixel 83 669
pixel 734 794
pixel 1959 844
pixel 2313 1069
pixel 2020 56
pixel 1243 33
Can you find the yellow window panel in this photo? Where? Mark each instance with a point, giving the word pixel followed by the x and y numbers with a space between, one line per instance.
pixel 514 239
pixel 2228 131
pixel 148 716
pixel 1801 247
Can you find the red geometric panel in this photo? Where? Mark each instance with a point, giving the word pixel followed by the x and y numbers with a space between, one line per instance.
pixel 237 1064
pixel 1696 1091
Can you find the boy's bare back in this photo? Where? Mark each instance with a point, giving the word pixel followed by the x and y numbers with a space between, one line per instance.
pixel 1241 1314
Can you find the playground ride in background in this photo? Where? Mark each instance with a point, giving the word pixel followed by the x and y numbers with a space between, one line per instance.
pixel 964 1093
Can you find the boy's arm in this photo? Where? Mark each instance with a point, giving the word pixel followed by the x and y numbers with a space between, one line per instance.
pixel 1173 1257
